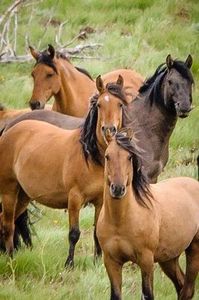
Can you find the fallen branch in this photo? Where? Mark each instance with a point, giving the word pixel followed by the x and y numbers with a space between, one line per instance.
pixel 10 9
pixel 4 58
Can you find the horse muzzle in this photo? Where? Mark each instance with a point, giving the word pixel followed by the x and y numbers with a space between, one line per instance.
pixel 36 104
pixel 117 191
pixel 182 112
pixel 108 132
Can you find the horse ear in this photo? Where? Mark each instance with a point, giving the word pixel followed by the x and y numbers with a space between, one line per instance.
pixel 34 53
pixel 120 81
pixel 51 51
pixel 189 61
pixel 100 84
pixel 169 61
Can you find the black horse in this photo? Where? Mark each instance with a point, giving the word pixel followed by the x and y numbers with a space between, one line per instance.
pixel 163 98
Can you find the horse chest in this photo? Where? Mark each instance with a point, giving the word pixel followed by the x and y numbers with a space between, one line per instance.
pixel 120 248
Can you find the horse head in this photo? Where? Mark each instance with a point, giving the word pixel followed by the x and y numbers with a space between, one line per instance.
pixel 46 77
pixel 178 81
pixel 104 117
pixel 110 102
pixel 123 167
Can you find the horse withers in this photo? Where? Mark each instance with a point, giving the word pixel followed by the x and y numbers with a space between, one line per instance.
pixel 145 223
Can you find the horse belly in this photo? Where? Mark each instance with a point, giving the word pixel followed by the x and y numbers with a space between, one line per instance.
pixel 56 200
pixel 173 241
pixel 41 183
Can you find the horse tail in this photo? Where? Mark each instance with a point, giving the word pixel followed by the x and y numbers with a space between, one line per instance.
pixel 23 229
pixel 198 166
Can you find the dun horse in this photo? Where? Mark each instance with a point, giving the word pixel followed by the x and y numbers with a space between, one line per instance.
pixel 54 75
pixel 163 98
pixel 146 223
pixel 72 159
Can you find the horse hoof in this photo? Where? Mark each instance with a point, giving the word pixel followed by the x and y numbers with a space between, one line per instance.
pixel 97 258
pixel 69 264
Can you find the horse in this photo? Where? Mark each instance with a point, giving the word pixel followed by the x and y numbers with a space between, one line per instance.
pixel 54 75
pixel 60 120
pixel 162 98
pixel 59 168
pixel 7 114
pixel 143 223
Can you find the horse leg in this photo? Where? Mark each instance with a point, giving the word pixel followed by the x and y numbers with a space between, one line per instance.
pixel 9 204
pixel 97 250
pixel 146 265
pixel 114 270
pixel 192 269
pixel 172 269
pixel 21 217
pixel 74 205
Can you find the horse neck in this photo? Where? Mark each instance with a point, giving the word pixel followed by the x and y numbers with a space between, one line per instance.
pixel 76 88
pixel 153 120
pixel 117 211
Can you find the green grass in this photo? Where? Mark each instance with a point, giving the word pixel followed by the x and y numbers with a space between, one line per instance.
pixel 135 34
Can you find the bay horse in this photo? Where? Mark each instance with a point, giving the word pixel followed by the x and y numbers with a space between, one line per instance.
pixel 145 223
pixel 54 75
pixel 162 98
pixel 22 228
pixel 59 168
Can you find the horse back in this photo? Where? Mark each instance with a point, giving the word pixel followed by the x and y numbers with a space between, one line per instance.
pixel 132 81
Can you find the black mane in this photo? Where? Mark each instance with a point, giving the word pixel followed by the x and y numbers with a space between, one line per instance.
pixel 152 85
pixel 45 58
pixel 140 182
pixel 88 137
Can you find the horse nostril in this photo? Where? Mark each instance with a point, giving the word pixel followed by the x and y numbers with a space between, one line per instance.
pixel 117 190
pixel 103 128
pixel 113 129
pixel 35 105
pixel 122 189
pixel 112 187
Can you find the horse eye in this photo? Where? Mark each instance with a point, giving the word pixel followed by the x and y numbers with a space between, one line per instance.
pixel 107 157
pixel 121 105
pixel 49 75
pixel 170 82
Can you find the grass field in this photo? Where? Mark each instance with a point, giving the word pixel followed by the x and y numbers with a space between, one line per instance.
pixel 136 34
